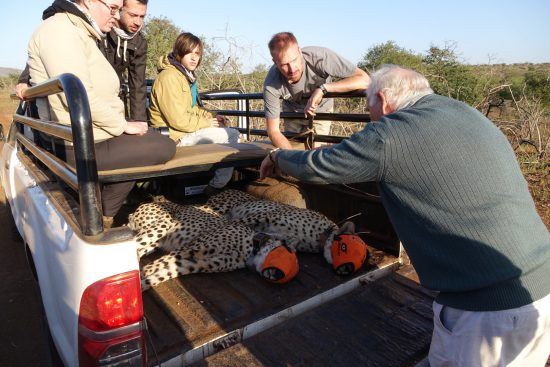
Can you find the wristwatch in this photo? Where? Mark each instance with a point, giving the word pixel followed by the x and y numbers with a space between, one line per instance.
pixel 323 89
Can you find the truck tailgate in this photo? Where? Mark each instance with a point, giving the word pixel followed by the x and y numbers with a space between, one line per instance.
pixel 385 323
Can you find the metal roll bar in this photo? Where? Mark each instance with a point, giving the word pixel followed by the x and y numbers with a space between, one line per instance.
pixel 80 133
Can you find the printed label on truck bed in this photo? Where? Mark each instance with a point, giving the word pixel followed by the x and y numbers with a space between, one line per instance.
pixel 194 190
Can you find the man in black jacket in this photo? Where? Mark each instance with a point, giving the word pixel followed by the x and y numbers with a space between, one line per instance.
pixel 124 47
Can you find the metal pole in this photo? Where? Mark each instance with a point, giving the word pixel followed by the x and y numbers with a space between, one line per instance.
pixel 91 213
pixel 310 140
pixel 247 119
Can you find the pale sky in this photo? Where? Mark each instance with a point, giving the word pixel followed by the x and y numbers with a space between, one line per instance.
pixel 484 31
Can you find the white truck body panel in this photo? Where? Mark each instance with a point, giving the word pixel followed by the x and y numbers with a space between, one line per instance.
pixel 65 263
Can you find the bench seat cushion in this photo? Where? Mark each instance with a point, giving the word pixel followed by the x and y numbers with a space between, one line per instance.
pixel 196 158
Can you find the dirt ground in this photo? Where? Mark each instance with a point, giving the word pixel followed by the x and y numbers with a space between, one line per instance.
pixel 23 341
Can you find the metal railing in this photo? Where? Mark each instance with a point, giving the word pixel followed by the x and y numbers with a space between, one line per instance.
pixel 244 111
pixel 85 181
pixel 310 137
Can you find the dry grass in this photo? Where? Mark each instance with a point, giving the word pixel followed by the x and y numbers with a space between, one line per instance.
pixel 7 107
pixel 536 172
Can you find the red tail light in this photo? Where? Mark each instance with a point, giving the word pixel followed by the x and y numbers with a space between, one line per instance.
pixel 109 323
pixel 112 302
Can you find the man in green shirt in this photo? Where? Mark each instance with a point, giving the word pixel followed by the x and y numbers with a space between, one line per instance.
pixel 453 189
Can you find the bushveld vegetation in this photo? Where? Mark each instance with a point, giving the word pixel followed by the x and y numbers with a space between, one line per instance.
pixel 515 97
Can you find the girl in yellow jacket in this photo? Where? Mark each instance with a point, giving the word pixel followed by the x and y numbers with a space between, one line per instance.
pixel 174 104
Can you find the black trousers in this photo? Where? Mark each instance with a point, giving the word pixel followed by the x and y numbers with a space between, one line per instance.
pixel 126 151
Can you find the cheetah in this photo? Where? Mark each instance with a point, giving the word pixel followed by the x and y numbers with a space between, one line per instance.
pixel 182 227
pixel 227 199
pixel 303 229
pixel 151 213
pixel 229 247
pixel 218 236
pixel 170 225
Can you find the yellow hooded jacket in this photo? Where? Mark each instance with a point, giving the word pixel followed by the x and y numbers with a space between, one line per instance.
pixel 170 103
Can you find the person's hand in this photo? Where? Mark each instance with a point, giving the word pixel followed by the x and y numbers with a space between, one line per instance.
pixel 313 102
pixel 136 128
pixel 222 120
pixel 219 121
pixel 20 88
pixel 268 167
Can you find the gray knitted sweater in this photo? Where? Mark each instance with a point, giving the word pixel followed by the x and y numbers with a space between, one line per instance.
pixel 455 194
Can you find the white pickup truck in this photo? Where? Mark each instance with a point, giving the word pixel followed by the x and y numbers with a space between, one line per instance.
pixel 89 277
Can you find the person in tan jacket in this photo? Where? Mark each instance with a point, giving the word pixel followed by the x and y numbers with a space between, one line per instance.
pixel 174 103
pixel 67 43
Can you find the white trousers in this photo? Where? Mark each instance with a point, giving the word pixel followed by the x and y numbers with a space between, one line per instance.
pixel 210 135
pixel 518 337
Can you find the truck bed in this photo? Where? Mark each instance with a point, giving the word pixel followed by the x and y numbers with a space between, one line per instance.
pixel 385 323
pixel 194 316
pixel 185 313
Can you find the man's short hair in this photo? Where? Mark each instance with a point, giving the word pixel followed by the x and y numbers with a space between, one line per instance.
pixel 281 41
pixel 401 87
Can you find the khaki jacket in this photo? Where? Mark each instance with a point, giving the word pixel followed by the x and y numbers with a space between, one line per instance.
pixel 66 43
pixel 170 103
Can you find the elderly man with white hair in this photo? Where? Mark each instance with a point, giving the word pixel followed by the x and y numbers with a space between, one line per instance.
pixel 455 194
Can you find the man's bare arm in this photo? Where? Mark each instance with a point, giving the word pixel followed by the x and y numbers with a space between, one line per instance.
pixel 358 81
pixel 275 135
